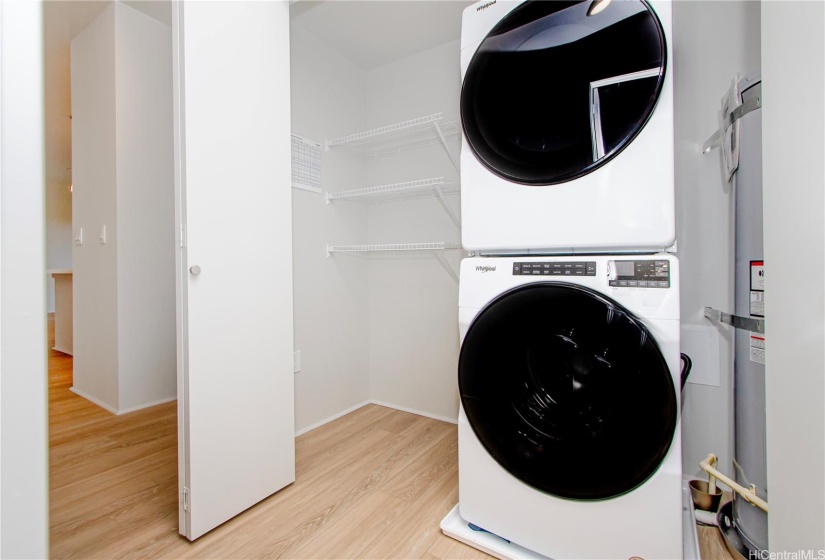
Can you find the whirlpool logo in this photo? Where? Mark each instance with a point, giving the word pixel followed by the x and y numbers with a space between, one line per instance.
pixel 485 6
pixel 484 269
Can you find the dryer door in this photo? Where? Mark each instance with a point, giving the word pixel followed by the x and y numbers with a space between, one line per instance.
pixel 557 89
pixel 567 391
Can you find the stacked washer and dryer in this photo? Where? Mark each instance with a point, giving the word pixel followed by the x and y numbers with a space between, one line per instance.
pixel 569 440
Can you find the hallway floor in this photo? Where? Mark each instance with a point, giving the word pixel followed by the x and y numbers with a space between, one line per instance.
pixel 373 484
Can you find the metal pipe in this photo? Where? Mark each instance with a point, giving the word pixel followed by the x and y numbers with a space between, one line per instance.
pixel 711 459
pixel 748 494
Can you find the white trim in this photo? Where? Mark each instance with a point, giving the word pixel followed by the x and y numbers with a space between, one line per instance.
pixel 147 405
pixel 114 410
pixel 181 257
pixel 320 423
pixel 24 470
pixel 90 398
pixel 329 419
pixel 414 411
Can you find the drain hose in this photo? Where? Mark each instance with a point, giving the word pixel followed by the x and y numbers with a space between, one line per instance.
pixel 687 363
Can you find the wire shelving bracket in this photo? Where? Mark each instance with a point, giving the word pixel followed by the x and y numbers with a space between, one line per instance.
pixel 435 249
pixel 425 188
pixel 407 135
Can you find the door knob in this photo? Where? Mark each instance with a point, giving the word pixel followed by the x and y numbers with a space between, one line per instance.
pixel 194 270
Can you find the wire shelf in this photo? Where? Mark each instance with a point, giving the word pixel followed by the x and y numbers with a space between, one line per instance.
pixel 424 188
pixel 394 247
pixel 407 135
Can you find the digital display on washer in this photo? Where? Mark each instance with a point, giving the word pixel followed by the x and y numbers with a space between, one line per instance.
pixel 566 268
pixel 625 268
pixel 641 274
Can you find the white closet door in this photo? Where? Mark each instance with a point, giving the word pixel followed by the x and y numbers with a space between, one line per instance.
pixel 236 418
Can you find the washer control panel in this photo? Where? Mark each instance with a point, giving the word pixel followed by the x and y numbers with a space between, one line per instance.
pixel 639 274
pixel 556 268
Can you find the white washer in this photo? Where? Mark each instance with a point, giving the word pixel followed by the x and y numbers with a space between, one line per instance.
pixel 568 434
pixel 568 127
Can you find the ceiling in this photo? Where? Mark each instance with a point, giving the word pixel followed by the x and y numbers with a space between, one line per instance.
pixel 373 33
pixel 77 14
pixel 63 20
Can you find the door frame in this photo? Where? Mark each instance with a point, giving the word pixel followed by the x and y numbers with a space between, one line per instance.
pixel 181 286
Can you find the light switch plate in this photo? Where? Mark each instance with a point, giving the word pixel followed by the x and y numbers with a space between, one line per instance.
pixel 78 237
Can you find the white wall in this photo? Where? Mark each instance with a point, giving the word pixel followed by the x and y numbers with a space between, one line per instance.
pixel 145 210
pixel 94 204
pixel 58 232
pixel 713 41
pixel 24 523
pixel 58 149
pixel 381 329
pixel 413 302
pixel 330 294
pixel 124 289
pixel 793 125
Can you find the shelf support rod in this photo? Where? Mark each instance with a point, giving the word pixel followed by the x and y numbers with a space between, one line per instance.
pixel 443 201
pixel 440 258
pixel 441 198
pixel 446 146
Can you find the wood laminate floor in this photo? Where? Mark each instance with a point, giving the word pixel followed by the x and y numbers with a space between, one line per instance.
pixel 373 484
pixel 711 541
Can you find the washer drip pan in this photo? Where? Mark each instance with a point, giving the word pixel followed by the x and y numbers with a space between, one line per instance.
pixel 453 525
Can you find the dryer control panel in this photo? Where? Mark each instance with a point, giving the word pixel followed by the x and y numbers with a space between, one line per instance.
pixel 555 268
pixel 639 274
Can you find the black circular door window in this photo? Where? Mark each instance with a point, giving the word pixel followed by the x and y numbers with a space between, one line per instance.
pixel 567 391
pixel 559 88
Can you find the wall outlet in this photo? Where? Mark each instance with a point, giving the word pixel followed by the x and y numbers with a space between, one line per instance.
pixel 296 361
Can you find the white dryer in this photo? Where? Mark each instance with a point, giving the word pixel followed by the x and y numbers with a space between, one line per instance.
pixel 567 117
pixel 568 434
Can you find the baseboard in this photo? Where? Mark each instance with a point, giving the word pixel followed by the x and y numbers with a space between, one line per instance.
pixel 336 416
pixel 114 410
pixel 63 350
pixel 414 411
pixel 147 405
pixel 91 399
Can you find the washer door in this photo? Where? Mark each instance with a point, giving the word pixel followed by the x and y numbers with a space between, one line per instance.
pixel 567 391
pixel 557 89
